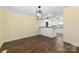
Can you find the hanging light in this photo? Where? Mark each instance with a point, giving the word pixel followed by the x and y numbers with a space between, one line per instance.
pixel 39 13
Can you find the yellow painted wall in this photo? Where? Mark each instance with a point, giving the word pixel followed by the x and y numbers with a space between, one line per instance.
pixel 14 25
pixel 71 25
pixel 18 25
pixel 1 26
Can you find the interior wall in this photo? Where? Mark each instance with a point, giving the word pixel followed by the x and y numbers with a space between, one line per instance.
pixel 1 26
pixel 71 25
pixel 18 25
pixel 52 21
pixel 42 23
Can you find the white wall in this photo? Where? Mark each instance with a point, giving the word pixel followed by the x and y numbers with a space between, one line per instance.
pixel 52 21
pixel 42 23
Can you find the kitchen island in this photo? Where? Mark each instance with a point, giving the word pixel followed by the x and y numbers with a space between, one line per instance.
pixel 48 31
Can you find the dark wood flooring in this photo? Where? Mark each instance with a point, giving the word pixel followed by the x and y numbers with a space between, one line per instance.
pixel 39 44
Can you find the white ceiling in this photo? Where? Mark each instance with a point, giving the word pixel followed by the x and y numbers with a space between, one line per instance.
pixel 31 10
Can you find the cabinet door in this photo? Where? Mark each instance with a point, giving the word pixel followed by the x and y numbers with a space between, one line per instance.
pixel 49 32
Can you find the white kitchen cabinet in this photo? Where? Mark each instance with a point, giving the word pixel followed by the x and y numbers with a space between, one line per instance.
pixel 60 30
pixel 48 31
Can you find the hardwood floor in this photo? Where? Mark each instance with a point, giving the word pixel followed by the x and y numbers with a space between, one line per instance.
pixel 39 44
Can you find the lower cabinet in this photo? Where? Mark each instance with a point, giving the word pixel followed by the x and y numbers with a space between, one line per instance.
pixel 48 31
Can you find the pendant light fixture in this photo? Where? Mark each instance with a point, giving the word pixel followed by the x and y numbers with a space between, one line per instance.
pixel 39 13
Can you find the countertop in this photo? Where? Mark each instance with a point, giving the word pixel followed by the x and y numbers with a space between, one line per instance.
pixel 51 27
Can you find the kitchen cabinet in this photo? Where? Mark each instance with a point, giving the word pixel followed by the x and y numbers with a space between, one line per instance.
pixel 48 31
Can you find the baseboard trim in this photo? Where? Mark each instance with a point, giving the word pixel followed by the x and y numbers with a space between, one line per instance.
pixel 74 44
pixel 1 44
pixel 19 38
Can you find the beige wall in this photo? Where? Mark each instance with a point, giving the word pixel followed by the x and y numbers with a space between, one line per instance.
pixel 14 25
pixel 71 25
pixel 1 26
pixel 18 25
